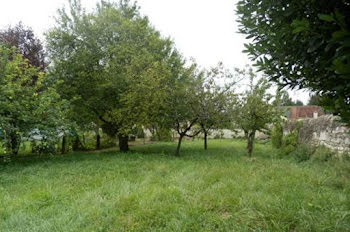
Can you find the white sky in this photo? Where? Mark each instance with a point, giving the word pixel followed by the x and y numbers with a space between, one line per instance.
pixel 202 29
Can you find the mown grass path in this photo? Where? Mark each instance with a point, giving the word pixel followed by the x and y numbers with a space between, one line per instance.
pixel 150 190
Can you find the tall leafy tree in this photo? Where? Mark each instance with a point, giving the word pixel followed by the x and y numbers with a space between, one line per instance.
pixel 25 106
pixel 302 44
pixel 100 57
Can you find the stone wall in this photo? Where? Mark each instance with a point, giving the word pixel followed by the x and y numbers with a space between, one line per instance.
pixel 326 130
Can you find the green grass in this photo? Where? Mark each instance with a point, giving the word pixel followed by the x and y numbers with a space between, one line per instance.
pixel 150 190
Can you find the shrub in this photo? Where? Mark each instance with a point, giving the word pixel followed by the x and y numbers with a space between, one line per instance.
pixel 289 142
pixel 322 153
pixel 302 152
pixel 107 141
pixel 217 136
pixel 277 136
pixel 162 134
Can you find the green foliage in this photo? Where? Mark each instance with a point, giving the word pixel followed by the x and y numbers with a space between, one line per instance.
pixel 26 106
pixel 290 142
pixel 302 152
pixel 286 100
pixel 277 135
pixel 162 134
pixel 303 44
pixel 112 65
pixel 322 154
pixel 216 100
pixel 149 190
pixel 139 132
pixel 254 111
pixel 48 145
pixel 315 100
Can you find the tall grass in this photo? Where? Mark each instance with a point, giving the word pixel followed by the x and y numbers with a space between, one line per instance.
pixel 150 190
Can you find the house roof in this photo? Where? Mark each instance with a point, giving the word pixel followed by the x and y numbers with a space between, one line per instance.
pixel 305 111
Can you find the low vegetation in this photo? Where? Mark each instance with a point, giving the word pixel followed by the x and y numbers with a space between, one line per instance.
pixel 149 189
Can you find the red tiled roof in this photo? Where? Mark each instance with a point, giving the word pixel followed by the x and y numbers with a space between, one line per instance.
pixel 297 112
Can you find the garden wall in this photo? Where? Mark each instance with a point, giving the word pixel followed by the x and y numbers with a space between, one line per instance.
pixel 326 130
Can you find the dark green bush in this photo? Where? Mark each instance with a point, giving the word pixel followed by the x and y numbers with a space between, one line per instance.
pixel 162 134
pixel 289 143
pixel 108 141
pixel 322 153
pixel 277 136
pixel 302 152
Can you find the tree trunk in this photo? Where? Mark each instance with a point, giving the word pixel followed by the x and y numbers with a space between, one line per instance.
pixel 179 146
pixel 64 144
pixel 98 139
pixel 251 137
pixel 76 144
pixel 15 143
pixel 123 143
pixel 205 140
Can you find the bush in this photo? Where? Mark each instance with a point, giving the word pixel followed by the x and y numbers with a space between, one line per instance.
pixel 277 136
pixel 302 152
pixel 289 142
pixel 322 153
pixel 162 134
pixel 219 134
pixel 108 141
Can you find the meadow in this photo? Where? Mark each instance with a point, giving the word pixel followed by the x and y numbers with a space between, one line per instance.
pixel 148 189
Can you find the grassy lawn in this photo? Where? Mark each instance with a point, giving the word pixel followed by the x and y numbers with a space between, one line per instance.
pixel 150 190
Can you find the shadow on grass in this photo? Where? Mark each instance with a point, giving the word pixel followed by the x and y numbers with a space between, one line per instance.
pixel 190 150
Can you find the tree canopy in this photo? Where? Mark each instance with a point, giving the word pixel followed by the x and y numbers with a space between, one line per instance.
pixel 101 58
pixel 302 44
pixel 255 110
pixel 25 106
pixel 24 39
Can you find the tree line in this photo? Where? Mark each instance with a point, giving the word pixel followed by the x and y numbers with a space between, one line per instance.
pixel 111 69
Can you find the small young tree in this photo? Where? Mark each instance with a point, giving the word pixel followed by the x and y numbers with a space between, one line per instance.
pixel 255 111
pixel 184 105
pixel 216 100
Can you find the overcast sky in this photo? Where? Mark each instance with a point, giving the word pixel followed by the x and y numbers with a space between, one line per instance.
pixel 202 29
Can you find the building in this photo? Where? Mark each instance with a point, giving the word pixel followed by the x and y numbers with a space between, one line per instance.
pixel 298 112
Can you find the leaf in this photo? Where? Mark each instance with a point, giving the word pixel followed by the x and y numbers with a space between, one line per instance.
pixel 300 25
pixel 340 67
pixel 340 34
pixel 326 17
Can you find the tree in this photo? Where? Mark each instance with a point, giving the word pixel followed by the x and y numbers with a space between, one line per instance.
pixel 24 39
pixel 25 106
pixel 101 57
pixel 216 100
pixel 254 111
pixel 183 104
pixel 314 100
pixel 303 44
pixel 285 99
pixel 298 103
